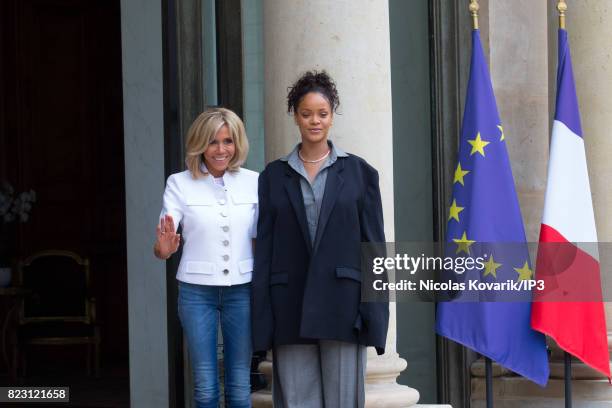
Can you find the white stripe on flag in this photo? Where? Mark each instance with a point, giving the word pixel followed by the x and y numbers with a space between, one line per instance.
pixel 568 207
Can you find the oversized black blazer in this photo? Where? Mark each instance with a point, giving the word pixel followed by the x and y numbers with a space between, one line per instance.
pixel 303 292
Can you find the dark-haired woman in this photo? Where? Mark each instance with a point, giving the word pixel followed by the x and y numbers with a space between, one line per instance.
pixel 317 205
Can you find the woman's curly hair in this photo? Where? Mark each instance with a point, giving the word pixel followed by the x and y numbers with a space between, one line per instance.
pixel 313 81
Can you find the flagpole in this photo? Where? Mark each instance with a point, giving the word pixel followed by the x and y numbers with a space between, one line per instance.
pixel 567 358
pixel 562 8
pixel 489 381
pixel 474 7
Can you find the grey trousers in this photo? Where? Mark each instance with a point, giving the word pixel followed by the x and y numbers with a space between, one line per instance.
pixel 330 374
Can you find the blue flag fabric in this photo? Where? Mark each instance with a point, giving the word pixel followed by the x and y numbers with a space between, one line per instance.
pixel 485 211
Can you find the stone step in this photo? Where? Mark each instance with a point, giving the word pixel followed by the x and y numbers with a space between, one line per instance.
pixel 542 403
pixel 431 406
pixel 580 370
pixel 515 392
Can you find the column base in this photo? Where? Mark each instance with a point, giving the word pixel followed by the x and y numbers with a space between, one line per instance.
pixel 262 399
pixel 377 396
pixel 381 389
pixel 390 395
pixel 432 406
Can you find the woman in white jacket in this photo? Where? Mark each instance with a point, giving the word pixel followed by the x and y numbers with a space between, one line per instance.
pixel 215 202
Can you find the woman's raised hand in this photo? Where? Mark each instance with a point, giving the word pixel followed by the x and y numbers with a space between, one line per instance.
pixel 167 239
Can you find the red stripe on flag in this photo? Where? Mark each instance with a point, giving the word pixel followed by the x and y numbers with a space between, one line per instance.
pixel 570 274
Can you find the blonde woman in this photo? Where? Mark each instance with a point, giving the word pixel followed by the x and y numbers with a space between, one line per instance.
pixel 215 202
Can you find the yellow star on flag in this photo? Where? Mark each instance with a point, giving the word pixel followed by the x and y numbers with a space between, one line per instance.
pixel 459 174
pixel 454 211
pixel 491 267
pixel 524 273
pixel 501 129
pixel 463 244
pixel 478 145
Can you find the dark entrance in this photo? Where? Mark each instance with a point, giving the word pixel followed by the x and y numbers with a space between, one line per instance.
pixel 61 135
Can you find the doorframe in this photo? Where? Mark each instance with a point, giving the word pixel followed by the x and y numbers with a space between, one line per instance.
pixel 183 84
pixel 450 31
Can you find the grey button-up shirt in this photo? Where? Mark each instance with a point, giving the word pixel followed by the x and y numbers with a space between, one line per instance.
pixel 313 192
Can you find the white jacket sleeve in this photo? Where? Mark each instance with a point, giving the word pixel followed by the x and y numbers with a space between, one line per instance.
pixel 253 228
pixel 173 201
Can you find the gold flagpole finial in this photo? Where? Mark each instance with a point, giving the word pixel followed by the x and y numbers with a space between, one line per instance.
pixel 474 7
pixel 562 7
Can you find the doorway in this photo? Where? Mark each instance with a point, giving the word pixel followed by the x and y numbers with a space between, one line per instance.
pixel 61 136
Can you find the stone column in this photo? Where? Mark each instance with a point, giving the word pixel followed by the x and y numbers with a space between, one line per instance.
pixel 350 40
pixel 589 24
pixel 519 72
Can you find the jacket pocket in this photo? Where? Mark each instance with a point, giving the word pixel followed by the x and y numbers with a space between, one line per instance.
pixel 244 198
pixel 204 268
pixel 281 278
pixel 245 266
pixel 199 201
pixel 358 324
pixel 348 273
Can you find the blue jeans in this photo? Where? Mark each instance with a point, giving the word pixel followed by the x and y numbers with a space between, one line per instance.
pixel 200 308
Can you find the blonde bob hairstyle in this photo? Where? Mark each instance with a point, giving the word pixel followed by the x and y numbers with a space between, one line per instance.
pixel 203 131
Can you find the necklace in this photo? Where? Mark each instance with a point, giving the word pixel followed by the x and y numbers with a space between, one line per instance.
pixel 313 161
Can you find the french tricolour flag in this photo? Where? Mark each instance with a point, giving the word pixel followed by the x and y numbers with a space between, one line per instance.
pixel 570 310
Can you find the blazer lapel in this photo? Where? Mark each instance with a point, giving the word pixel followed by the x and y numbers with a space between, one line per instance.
pixel 333 187
pixel 292 185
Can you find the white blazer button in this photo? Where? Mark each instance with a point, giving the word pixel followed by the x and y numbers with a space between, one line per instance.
pixel 222 201
pixel 226 271
pixel 226 242
pixel 225 228
pixel 226 257
pixel 223 214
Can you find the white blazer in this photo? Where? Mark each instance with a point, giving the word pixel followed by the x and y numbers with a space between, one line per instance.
pixel 218 222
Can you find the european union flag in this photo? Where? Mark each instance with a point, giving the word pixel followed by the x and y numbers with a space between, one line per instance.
pixel 485 211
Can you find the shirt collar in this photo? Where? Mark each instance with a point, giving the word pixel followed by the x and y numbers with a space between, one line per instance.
pixel 336 152
pixel 227 175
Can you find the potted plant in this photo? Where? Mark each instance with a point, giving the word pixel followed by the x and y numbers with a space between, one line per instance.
pixel 14 208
